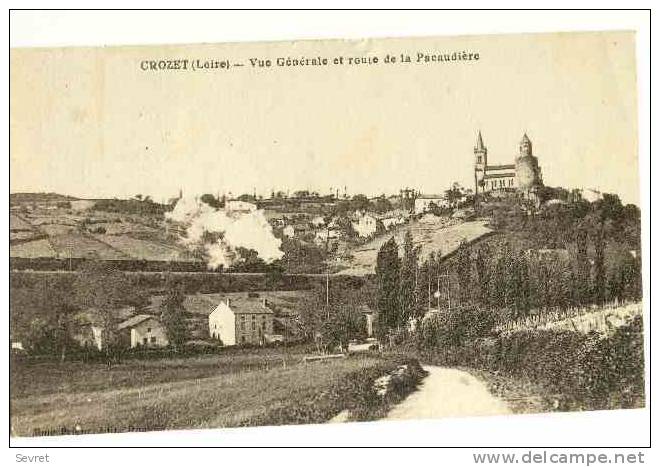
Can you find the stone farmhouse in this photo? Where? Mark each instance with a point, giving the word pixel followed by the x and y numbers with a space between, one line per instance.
pixel 243 320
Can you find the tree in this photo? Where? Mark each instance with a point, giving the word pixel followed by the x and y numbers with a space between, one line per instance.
pixel 463 266
pixel 456 326
pixel 43 319
pixel 599 284
pixel 301 257
pixel 454 195
pixel 408 279
pixel 382 204
pixel 360 203
pixel 332 317
pixel 345 226
pixel 211 200
pixel 581 282
pixel 387 279
pixel 173 315
pixel 102 290
pixel 481 274
pixel 519 285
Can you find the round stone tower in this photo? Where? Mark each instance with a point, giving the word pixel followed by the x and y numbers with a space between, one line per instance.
pixel 528 174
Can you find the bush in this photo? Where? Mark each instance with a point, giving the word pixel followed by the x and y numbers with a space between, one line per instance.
pixel 354 393
pixel 453 327
pixel 583 372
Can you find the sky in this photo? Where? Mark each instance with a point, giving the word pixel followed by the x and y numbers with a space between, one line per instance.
pixel 89 122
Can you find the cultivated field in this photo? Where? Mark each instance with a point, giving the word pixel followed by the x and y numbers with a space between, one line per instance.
pixel 109 236
pixel 430 233
pixel 141 249
pixel 34 249
pixel 78 245
pixel 233 389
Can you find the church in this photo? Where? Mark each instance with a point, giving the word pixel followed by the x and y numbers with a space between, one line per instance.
pixel 522 177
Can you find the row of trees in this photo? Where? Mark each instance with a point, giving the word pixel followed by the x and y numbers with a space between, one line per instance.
pixel 569 255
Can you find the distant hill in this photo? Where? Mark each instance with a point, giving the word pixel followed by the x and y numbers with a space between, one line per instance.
pixel 19 198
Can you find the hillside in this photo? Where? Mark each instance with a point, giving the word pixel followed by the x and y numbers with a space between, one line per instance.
pixel 430 233
pixel 58 226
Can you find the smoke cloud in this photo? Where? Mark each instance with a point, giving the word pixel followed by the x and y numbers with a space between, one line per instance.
pixel 220 233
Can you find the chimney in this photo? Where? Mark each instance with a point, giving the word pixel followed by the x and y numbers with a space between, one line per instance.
pixel 265 303
pixel 228 301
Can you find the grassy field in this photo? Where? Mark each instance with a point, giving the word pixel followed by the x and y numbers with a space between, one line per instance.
pixel 430 233
pixel 34 249
pixel 234 389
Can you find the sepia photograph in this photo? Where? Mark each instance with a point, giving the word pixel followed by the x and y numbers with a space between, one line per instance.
pixel 231 235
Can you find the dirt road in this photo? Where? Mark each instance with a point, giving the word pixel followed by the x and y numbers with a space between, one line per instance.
pixel 447 392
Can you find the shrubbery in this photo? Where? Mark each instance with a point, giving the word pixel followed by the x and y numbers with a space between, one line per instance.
pixel 580 372
pixel 354 393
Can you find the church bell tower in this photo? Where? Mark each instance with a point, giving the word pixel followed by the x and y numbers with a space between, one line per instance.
pixel 480 163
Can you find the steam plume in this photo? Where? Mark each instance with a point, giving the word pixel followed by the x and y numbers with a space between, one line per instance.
pixel 220 233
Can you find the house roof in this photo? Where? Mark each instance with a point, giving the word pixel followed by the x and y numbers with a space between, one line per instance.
pixel 249 306
pixel 203 304
pixel 91 316
pixel 430 197
pixel 194 304
pixel 134 321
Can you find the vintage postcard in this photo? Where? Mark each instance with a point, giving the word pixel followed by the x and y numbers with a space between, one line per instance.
pixel 331 231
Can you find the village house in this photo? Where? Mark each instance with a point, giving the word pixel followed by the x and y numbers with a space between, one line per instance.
pixel 88 326
pixel 238 206
pixel 295 230
pixel 243 320
pixel 87 332
pixel 142 331
pixel 366 224
pixel 318 221
pixel 424 203
pixel 326 235
pixel 393 218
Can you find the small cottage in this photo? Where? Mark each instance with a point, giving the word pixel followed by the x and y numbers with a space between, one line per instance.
pixel 142 331
pixel 366 224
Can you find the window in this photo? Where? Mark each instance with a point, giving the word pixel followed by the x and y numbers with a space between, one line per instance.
pixel 148 329
pixel 153 340
pixel 144 340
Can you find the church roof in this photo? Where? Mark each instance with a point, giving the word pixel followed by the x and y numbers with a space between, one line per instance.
pixel 480 142
pixel 499 175
pixel 525 139
pixel 501 167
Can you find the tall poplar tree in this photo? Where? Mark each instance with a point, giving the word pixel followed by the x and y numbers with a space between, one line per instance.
pixel 408 279
pixel 387 278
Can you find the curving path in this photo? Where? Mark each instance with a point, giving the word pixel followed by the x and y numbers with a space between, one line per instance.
pixel 447 392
